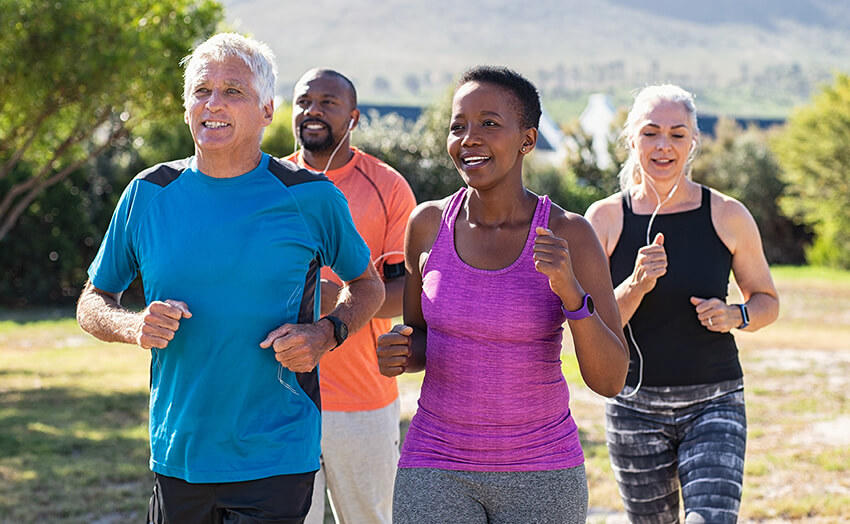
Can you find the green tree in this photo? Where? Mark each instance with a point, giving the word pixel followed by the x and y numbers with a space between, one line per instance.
pixel 815 158
pixel 740 163
pixel 76 76
pixel 416 149
pixel 278 139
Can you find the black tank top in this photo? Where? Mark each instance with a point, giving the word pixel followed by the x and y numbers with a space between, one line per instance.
pixel 677 350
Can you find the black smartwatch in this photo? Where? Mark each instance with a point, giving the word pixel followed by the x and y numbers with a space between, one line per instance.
pixel 745 316
pixel 340 330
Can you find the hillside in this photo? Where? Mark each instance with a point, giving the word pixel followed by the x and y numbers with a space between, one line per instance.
pixel 744 57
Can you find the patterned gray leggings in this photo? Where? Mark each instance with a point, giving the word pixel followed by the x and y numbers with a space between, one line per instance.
pixel 688 436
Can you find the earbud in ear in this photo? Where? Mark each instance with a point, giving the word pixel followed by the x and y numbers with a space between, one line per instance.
pixel 350 124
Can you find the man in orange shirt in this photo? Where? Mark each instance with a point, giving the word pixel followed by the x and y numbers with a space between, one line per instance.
pixel 360 407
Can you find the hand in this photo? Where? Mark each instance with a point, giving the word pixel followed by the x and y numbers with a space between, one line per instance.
pixel 299 347
pixel 650 265
pixel 330 295
pixel 159 321
pixel 716 315
pixel 552 258
pixel 394 350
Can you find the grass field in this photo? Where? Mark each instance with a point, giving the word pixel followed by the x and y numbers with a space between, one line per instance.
pixel 73 416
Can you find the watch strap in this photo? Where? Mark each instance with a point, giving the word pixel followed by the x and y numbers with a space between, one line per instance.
pixel 745 316
pixel 584 311
pixel 340 330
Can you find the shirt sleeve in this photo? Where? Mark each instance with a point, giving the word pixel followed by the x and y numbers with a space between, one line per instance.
pixel 400 204
pixel 115 266
pixel 342 247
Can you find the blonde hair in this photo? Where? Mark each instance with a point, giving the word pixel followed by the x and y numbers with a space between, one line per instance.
pixel 645 99
pixel 256 55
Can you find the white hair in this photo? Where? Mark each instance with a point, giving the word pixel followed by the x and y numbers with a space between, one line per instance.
pixel 646 99
pixel 256 55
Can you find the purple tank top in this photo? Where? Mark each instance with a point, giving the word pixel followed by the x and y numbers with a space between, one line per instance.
pixel 494 397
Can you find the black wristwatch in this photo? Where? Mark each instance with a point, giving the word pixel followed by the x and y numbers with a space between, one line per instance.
pixel 340 330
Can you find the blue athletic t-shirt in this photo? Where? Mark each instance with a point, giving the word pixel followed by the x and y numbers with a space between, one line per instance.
pixel 244 253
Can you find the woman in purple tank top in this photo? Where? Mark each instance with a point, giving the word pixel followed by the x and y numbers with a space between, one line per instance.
pixel 493 272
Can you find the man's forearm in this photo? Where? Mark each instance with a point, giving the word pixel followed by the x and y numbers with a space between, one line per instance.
pixel 104 318
pixel 393 299
pixel 359 300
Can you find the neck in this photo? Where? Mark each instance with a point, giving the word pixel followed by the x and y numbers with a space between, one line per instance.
pixel 681 188
pixel 500 205
pixel 225 164
pixel 317 160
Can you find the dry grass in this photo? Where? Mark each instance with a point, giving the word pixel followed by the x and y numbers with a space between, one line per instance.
pixel 73 416
pixel 797 375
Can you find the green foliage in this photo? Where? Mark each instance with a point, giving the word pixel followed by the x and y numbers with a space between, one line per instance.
pixel 417 150
pixel 278 139
pixel 815 157
pixel 91 95
pixel 77 75
pixel 741 164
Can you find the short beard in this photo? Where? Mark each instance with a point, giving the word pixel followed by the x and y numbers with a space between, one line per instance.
pixel 323 145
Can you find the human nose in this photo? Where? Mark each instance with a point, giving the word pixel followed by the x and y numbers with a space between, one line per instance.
pixel 313 109
pixel 470 137
pixel 215 100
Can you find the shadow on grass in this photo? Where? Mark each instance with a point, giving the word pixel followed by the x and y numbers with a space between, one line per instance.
pixel 66 453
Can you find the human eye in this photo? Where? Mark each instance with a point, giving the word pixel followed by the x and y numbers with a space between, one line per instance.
pixel 456 126
pixel 233 91
pixel 490 123
pixel 201 90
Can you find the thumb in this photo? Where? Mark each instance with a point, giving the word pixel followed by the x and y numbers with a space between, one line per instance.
pixel 697 300
pixel 402 329
pixel 277 333
pixel 543 231
pixel 659 239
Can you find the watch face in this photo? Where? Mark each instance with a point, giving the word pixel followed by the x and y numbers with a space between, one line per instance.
pixel 590 306
pixel 341 331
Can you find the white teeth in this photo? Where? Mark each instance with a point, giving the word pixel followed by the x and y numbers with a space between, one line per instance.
pixel 475 159
pixel 315 126
pixel 215 125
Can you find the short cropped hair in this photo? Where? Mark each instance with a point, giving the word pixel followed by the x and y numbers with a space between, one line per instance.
pixel 645 99
pixel 339 76
pixel 256 55
pixel 524 91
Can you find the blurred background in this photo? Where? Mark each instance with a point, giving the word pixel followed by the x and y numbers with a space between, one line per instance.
pixel 90 94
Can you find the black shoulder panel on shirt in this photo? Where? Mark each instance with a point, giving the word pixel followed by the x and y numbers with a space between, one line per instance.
pixel 291 175
pixel 165 173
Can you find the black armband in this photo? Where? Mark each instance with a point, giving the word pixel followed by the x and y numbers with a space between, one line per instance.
pixel 392 271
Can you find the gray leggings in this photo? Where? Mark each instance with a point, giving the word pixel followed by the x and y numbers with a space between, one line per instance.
pixel 688 436
pixel 439 496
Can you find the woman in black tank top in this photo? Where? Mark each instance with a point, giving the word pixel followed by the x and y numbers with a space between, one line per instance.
pixel 680 421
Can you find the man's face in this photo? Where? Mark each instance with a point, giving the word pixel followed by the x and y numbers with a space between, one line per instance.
pixel 322 110
pixel 223 110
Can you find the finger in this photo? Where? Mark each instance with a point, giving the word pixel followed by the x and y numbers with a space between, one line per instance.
pixel 150 341
pixel 165 309
pixel 277 333
pixel 697 301
pixel 395 350
pixel 542 231
pixel 658 240
pixel 182 306
pixel 392 339
pixel 152 318
pixel 391 371
pixel 402 329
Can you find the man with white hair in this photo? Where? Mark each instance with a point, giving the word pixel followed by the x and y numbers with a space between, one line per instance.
pixel 229 244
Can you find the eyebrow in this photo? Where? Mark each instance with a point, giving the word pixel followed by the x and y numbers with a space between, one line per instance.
pixel 659 127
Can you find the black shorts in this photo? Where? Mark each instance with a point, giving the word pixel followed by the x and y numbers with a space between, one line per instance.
pixel 283 499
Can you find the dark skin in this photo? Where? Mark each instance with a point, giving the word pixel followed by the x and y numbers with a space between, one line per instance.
pixel 324 101
pixel 487 143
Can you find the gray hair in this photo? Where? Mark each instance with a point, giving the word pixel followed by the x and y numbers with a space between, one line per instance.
pixel 645 99
pixel 257 56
